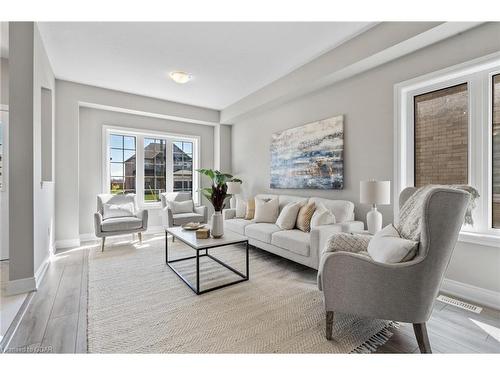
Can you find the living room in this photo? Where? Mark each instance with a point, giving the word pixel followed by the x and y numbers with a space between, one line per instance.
pixel 250 187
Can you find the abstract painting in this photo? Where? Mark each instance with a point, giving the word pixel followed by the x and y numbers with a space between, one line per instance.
pixel 310 156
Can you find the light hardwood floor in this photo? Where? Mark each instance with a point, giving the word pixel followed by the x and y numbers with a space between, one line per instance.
pixel 56 321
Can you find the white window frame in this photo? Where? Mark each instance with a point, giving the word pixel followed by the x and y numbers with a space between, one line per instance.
pixel 478 75
pixel 140 134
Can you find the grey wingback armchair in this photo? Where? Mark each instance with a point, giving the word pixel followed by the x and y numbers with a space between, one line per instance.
pixel 115 226
pixel 169 219
pixel 405 292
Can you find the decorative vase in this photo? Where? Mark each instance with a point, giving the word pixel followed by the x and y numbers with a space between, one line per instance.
pixel 217 225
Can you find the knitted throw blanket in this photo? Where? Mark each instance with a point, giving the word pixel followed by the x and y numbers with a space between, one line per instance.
pixel 410 215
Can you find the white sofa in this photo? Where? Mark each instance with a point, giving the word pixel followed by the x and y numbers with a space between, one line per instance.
pixel 301 247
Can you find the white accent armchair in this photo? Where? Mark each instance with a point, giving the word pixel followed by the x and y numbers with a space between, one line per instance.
pixel 353 283
pixel 115 226
pixel 170 219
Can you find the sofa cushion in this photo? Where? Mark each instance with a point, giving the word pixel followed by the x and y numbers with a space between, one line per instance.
pixel 322 216
pixel 111 210
pixel 183 207
pixel 237 225
pixel 121 224
pixel 241 207
pixel 181 219
pixel 342 210
pixel 250 209
pixel 288 216
pixel 261 231
pixel 266 211
pixel 304 217
pixel 293 240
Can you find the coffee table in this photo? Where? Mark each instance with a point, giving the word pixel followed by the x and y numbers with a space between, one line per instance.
pixel 202 246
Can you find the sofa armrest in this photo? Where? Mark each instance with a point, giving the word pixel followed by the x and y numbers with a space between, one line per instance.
pixel 167 217
pixel 202 210
pixel 97 224
pixel 229 213
pixel 143 215
pixel 321 233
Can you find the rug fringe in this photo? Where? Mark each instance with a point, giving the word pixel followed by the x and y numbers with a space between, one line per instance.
pixel 373 343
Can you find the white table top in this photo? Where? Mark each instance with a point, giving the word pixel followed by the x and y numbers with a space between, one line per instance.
pixel 189 237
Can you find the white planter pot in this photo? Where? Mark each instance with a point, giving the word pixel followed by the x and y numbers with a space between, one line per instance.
pixel 217 225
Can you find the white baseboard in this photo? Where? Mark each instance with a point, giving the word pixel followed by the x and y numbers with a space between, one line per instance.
pixel 64 244
pixel 21 286
pixel 40 272
pixel 91 236
pixel 484 297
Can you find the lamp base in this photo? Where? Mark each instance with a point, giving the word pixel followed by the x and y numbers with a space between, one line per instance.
pixel 374 220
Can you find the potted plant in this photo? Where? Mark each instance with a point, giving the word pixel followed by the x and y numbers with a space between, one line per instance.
pixel 217 195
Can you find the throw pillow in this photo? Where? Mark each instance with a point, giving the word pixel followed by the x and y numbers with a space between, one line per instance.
pixel 118 210
pixel 250 213
pixel 387 246
pixel 183 207
pixel 288 215
pixel 241 207
pixel 266 211
pixel 304 217
pixel 322 216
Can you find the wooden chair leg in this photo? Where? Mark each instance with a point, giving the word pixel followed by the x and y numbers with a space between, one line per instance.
pixel 102 244
pixel 329 324
pixel 422 338
pixel 140 237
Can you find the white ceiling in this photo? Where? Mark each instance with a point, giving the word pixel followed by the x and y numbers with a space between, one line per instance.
pixel 228 60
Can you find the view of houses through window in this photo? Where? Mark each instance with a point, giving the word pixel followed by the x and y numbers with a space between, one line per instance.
pixel 140 163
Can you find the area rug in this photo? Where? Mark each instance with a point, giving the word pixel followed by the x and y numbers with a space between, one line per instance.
pixel 136 304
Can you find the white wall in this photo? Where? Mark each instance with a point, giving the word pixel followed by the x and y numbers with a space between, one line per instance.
pixel 366 100
pixel 69 99
pixel 90 155
pixel 31 203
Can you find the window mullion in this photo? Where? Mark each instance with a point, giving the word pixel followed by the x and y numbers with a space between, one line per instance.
pixel 139 182
pixel 169 165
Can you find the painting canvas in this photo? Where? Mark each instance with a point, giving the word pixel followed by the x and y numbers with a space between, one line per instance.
pixel 310 156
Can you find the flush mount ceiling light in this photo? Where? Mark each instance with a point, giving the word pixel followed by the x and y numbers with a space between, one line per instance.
pixel 180 77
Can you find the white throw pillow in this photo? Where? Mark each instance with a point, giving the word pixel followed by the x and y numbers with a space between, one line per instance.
pixel 183 207
pixel 241 207
pixel 288 215
pixel 118 210
pixel 266 211
pixel 322 216
pixel 387 246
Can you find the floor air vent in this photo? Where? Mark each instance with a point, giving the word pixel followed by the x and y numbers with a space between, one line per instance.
pixel 461 304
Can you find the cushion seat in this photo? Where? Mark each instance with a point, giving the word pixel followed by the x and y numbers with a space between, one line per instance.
pixel 293 240
pixel 117 224
pixel 184 218
pixel 261 231
pixel 237 225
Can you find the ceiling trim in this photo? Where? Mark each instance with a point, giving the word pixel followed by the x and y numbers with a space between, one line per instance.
pixel 146 114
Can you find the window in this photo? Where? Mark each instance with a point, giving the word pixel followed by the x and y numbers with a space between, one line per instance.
pixel 122 162
pixel 183 166
pixel 149 163
pixel 441 136
pixel 495 134
pixel 154 168
pixel 447 131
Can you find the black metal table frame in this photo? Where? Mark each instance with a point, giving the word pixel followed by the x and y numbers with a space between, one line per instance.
pixel 198 256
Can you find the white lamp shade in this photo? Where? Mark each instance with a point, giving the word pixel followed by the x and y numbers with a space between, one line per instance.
pixel 233 187
pixel 375 192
